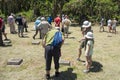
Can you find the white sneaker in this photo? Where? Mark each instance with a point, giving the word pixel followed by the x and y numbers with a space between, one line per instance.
pixel 85 71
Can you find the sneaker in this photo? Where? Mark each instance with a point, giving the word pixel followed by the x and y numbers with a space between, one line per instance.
pixel 85 71
pixel 47 76
pixel 57 74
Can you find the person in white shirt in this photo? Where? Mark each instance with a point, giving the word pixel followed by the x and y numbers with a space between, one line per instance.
pixel 109 24
pixel 89 51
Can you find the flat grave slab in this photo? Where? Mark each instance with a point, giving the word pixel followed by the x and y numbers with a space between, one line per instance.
pixel 35 42
pixel 14 61
pixel 64 62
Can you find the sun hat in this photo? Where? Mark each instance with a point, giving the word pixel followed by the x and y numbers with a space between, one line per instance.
pixel 89 35
pixel 42 18
pixel 86 24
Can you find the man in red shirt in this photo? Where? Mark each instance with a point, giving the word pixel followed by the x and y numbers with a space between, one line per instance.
pixel 57 21
pixel 1 41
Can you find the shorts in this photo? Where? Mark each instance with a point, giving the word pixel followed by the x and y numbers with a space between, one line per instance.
pixel 66 30
pixel 82 45
pixel 3 29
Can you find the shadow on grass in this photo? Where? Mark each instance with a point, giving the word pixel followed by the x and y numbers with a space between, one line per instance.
pixel 97 67
pixel 66 75
pixel 25 37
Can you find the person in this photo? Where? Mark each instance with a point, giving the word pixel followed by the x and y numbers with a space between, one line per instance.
pixel 89 51
pixel 49 19
pixel 109 24
pixel 44 26
pixel 3 29
pixel 19 21
pixel 57 21
pixel 1 40
pixel 11 23
pixel 86 27
pixel 65 26
pixel 25 26
pixel 101 25
pixel 52 51
pixel 37 21
pixel 114 24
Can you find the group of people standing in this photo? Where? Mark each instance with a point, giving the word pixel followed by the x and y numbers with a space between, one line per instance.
pixel 47 32
pixel 20 21
pixel 11 20
pixel 111 24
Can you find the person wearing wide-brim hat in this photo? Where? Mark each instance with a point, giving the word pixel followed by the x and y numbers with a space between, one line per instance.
pixel 89 50
pixel 86 27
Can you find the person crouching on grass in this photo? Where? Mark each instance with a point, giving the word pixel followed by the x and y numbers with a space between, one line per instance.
pixel 89 51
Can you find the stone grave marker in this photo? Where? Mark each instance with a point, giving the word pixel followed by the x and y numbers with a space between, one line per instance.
pixel 64 62
pixel 35 42
pixel 14 61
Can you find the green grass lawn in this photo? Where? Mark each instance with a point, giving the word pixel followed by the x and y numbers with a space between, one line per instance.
pixel 105 58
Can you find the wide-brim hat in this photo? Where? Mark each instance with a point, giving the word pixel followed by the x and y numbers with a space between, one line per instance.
pixel 89 35
pixel 42 18
pixel 86 24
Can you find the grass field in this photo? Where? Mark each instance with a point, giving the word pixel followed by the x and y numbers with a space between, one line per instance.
pixel 106 57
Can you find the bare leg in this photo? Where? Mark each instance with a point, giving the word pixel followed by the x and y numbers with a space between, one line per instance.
pixel 5 35
pixel 35 33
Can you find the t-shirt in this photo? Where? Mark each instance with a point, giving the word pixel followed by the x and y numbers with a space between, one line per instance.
pixel 19 20
pixel 109 22
pixel 114 23
pixel 50 36
pixel 10 19
pixel 57 21
pixel 89 43
pixel 44 26
pixel 66 22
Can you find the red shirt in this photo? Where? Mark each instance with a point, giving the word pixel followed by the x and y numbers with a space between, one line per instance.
pixel 57 21
pixel 0 23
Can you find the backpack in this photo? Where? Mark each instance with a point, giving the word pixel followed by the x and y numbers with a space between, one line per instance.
pixel 57 39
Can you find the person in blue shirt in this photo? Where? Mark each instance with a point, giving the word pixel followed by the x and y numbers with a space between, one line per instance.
pixel 49 19
pixel 37 21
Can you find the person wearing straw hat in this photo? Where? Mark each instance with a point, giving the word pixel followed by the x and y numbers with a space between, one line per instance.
pixel 89 50
pixel 86 27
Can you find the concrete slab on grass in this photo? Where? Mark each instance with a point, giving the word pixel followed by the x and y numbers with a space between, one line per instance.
pixel 14 61
pixel 35 42
pixel 64 62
